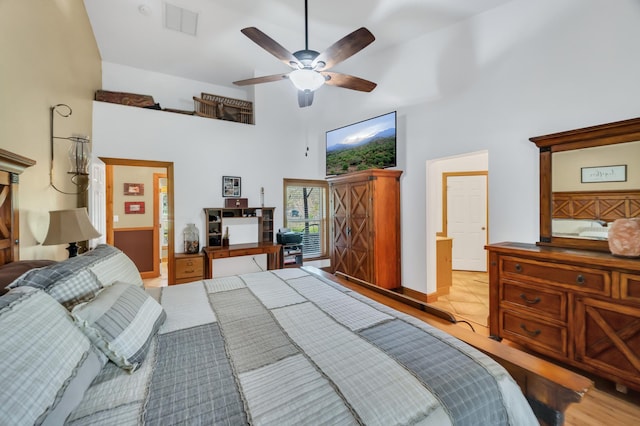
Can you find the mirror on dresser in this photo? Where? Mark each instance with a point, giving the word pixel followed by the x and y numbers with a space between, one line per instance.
pixel 588 178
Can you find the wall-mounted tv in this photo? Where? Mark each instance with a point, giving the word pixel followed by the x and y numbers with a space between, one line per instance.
pixel 368 144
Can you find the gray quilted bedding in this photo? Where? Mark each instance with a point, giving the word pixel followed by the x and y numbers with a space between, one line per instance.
pixel 285 347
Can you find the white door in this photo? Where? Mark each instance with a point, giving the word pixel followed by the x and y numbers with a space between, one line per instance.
pixel 467 221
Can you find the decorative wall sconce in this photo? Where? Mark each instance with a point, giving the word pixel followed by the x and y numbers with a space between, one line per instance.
pixel 79 154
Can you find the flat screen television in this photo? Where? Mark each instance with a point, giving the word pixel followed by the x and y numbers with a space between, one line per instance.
pixel 368 144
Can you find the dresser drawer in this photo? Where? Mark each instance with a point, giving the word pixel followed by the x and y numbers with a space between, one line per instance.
pixel 546 302
pixel 538 334
pixel 189 267
pixel 630 287
pixel 594 281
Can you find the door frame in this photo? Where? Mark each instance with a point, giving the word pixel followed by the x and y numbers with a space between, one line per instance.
pixel 156 217
pixel 168 165
pixel 445 177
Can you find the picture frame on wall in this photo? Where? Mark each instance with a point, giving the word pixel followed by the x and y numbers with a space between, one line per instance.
pixel 616 173
pixel 231 186
pixel 134 189
pixel 134 207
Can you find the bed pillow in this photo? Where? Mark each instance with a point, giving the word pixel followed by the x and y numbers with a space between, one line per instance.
pixel 572 226
pixel 79 278
pixel 121 320
pixel 69 282
pixel 118 267
pixel 47 364
pixel 10 271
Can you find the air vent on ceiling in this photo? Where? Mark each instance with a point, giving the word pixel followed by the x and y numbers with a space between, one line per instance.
pixel 179 19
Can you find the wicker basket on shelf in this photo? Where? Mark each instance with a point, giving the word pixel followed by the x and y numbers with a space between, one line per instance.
pixel 223 108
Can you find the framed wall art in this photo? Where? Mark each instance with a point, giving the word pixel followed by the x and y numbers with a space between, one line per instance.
pixel 231 186
pixel 603 174
pixel 134 207
pixel 134 189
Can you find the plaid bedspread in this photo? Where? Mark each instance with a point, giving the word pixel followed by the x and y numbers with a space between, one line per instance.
pixel 285 347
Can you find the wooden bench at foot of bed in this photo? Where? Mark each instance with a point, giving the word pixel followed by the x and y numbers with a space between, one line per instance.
pixel 549 388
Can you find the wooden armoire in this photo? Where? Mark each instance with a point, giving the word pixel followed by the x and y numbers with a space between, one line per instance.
pixel 365 226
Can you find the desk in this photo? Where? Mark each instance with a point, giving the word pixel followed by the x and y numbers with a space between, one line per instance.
pixel 272 250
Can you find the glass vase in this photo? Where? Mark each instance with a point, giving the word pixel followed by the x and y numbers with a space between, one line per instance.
pixel 191 238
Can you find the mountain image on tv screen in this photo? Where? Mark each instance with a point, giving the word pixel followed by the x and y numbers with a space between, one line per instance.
pixel 368 144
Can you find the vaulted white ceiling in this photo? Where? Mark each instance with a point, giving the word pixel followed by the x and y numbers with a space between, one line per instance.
pixel 133 33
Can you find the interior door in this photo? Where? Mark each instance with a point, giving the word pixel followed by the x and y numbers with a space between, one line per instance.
pixel 466 220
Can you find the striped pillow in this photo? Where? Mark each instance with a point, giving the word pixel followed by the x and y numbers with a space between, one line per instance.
pixel 121 320
pixel 71 282
pixel 47 363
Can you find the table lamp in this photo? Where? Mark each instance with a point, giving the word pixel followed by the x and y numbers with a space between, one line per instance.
pixel 69 226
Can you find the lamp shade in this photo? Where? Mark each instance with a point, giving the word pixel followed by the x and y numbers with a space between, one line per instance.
pixel 305 79
pixel 69 226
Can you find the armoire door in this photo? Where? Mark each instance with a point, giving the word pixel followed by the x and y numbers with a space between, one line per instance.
pixel 340 228
pixel 359 232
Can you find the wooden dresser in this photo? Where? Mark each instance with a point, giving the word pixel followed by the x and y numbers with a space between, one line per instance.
pixel 581 307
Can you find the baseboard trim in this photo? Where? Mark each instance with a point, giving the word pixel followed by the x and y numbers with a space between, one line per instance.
pixel 418 295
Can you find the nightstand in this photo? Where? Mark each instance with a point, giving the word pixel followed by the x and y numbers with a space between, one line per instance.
pixel 188 267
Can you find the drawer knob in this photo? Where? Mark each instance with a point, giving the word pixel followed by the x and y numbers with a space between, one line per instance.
pixel 529 301
pixel 518 267
pixel 580 279
pixel 531 333
pixel 190 271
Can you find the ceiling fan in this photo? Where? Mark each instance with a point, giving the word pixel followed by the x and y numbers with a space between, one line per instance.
pixel 311 68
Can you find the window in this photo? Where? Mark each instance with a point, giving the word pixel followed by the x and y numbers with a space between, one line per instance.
pixel 306 211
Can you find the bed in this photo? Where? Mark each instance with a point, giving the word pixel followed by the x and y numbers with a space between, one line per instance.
pixel 588 214
pixel 82 342
pixel 274 347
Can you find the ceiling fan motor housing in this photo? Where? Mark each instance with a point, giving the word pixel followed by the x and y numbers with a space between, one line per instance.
pixel 306 58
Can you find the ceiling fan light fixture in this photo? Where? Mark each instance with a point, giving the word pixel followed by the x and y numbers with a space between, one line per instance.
pixel 306 79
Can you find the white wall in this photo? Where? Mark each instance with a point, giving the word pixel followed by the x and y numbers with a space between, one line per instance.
pixel 203 150
pixel 168 91
pixel 520 70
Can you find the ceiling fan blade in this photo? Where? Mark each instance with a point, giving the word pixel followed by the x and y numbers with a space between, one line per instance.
pixel 344 48
pixel 270 45
pixel 258 80
pixel 305 98
pixel 348 81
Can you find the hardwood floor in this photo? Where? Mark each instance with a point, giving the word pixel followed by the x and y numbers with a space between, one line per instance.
pixel 469 300
pixel 160 281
